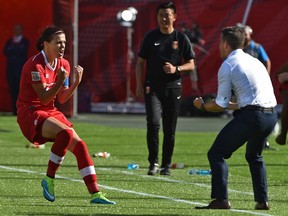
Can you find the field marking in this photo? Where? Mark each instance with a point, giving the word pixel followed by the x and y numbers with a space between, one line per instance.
pixel 172 180
pixel 131 191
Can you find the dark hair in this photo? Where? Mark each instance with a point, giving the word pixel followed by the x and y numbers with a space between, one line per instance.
pixel 234 36
pixel 47 35
pixel 166 5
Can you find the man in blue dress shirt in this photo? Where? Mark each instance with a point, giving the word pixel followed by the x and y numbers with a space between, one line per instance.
pixel 254 118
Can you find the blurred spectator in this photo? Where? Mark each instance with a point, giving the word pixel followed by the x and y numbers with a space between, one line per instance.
pixel 15 50
pixel 195 35
pixel 255 49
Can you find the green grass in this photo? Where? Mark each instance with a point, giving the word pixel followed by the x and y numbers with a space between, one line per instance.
pixel 21 171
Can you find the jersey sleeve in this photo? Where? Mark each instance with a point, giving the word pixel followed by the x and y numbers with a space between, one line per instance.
pixel 144 48
pixel 37 74
pixel 188 50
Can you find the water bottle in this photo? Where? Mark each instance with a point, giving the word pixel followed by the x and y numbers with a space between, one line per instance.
pixel 199 172
pixel 101 154
pixel 133 166
pixel 177 165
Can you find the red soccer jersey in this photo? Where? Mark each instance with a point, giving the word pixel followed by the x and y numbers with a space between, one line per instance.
pixel 37 70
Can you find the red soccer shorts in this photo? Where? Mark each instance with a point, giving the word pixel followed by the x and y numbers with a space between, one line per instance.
pixel 31 121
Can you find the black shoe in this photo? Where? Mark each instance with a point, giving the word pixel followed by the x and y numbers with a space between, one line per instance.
pixel 281 140
pixel 165 171
pixel 153 169
pixel 216 204
pixel 262 206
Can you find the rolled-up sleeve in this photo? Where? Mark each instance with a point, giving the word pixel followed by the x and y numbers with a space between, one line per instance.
pixel 224 85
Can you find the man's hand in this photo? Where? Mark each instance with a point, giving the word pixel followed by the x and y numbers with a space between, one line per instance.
pixel 169 68
pixel 198 102
pixel 282 77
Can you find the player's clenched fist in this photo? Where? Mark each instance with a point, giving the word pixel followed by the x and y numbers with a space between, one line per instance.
pixel 62 74
pixel 78 70
pixel 198 102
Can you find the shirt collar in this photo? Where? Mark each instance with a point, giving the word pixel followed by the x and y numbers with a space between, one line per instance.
pixel 234 52
pixel 47 63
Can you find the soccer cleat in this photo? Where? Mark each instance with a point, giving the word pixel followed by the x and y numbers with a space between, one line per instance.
pixel 99 198
pixel 48 188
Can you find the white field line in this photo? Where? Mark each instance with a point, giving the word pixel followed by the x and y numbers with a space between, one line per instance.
pixel 172 180
pixel 135 192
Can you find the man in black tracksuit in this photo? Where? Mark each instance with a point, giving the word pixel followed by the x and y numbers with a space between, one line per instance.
pixel 163 51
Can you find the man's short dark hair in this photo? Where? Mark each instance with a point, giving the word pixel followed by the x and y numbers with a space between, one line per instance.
pixel 166 5
pixel 234 36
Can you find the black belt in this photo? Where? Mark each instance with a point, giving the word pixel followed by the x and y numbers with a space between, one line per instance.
pixel 258 108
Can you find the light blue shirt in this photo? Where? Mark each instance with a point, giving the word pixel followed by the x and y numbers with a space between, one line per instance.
pixel 257 51
pixel 248 78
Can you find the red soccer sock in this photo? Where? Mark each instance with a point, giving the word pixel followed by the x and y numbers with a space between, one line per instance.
pixel 58 151
pixel 86 166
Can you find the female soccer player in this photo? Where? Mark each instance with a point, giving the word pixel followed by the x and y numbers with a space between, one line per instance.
pixel 45 76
